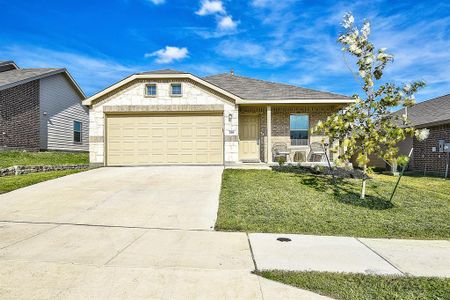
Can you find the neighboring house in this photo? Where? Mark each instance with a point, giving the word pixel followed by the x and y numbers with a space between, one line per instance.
pixel 173 117
pixel 429 156
pixel 40 109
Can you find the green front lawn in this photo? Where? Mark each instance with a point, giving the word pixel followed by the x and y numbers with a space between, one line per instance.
pixel 10 183
pixel 20 158
pixel 286 202
pixel 359 286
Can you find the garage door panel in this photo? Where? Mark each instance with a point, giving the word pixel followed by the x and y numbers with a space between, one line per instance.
pixel 173 132
pixel 186 132
pixel 164 139
pixel 202 132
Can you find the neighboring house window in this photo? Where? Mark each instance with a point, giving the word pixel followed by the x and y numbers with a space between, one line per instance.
pixel 150 89
pixel 175 89
pixel 299 125
pixel 77 131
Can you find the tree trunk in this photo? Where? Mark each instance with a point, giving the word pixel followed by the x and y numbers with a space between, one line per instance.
pixel 363 190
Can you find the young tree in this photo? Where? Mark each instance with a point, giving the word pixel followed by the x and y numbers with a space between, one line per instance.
pixel 367 126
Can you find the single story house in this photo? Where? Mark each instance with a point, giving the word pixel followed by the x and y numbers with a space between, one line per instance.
pixel 174 117
pixel 429 156
pixel 40 109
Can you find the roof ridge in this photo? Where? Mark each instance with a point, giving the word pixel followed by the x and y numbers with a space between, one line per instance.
pixel 277 83
pixel 431 100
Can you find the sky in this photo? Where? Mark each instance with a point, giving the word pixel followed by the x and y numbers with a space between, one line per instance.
pixel 289 41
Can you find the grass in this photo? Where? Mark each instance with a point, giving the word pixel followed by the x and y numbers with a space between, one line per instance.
pixel 287 202
pixel 10 183
pixel 13 158
pixel 359 286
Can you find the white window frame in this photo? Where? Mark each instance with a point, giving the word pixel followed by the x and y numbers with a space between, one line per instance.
pixel 80 132
pixel 181 89
pixel 308 129
pixel 156 90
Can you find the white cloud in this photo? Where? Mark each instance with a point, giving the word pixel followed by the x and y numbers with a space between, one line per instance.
pixel 263 3
pixel 210 8
pixel 157 2
pixel 227 24
pixel 255 53
pixel 168 54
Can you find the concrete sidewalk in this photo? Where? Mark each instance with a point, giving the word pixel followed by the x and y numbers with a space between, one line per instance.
pixel 347 254
pixel 51 261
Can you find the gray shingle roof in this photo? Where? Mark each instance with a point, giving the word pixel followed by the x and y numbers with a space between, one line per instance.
pixel 431 112
pixel 15 77
pixel 164 71
pixel 256 89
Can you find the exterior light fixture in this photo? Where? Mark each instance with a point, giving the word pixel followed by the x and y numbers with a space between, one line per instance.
pixel 230 117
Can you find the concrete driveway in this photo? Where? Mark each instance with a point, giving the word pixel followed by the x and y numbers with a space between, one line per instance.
pixel 181 197
pixel 126 233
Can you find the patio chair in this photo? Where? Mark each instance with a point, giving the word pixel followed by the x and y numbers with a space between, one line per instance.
pixel 317 153
pixel 280 150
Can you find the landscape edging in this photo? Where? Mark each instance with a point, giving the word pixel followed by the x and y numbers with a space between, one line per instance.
pixel 20 170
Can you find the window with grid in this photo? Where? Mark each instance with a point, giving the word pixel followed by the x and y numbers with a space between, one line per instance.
pixel 150 90
pixel 77 131
pixel 299 127
pixel 175 89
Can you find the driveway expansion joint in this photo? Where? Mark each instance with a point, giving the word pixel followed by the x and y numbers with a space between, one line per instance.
pixel 382 257
pixel 104 225
pixel 125 247
pixel 251 251
pixel 30 237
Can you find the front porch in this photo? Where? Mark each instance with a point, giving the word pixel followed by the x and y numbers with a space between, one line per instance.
pixel 264 128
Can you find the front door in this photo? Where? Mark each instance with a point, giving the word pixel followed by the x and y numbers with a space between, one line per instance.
pixel 249 137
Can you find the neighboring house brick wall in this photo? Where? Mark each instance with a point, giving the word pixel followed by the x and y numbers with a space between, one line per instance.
pixel 133 94
pixel 63 106
pixel 19 119
pixel 427 161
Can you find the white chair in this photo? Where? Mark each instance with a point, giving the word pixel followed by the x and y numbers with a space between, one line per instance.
pixel 317 151
pixel 280 149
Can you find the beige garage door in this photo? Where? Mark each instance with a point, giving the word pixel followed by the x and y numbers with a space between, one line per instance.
pixel 164 139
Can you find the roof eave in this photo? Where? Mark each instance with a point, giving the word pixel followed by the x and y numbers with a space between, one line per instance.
pixel 58 71
pixel 434 123
pixel 297 101
pixel 19 82
pixel 9 62
pixel 90 100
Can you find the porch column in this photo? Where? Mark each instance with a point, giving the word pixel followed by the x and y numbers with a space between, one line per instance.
pixel 269 134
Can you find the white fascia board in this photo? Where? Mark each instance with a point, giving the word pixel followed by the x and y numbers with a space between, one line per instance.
pixel 297 101
pixel 160 76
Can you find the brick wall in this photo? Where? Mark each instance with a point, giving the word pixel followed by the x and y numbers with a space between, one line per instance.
pixel 19 117
pixel 281 121
pixel 427 161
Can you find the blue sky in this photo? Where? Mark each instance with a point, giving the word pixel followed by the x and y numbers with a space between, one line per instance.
pixel 100 42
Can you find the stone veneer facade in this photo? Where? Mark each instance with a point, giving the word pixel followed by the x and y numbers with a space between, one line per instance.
pixel 133 94
pixel 19 117
pixel 196 97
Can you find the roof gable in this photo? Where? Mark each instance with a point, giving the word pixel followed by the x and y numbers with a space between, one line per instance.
pixel 7 66
pixel 242 90
pixel 16 77
pixel 163 71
